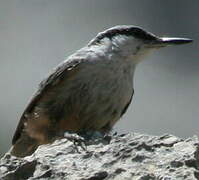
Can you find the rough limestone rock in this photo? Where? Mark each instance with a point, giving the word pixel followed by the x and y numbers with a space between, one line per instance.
pixel 118 157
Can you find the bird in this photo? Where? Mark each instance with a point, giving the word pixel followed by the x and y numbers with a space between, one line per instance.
pixel 89 91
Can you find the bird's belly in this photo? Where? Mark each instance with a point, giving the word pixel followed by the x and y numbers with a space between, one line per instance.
pixel 97 105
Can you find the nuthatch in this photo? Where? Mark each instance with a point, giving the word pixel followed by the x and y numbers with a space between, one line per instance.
pixel 89 91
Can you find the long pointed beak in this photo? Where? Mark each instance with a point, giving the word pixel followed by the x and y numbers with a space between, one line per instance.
pixel 165 41
pixel 175 41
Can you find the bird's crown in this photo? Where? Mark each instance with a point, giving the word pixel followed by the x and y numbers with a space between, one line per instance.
pixel 129 30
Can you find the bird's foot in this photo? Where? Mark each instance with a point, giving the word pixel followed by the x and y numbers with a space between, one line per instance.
pixel 76 139
pixel 84 138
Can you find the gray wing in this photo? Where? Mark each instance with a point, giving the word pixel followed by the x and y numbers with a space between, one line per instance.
pixel 62 71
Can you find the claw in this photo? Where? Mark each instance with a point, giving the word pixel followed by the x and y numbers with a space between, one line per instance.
pixel 85 138
pixel 76 139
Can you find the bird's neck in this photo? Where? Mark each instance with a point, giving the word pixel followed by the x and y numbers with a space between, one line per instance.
pixel 127 48
pixel 115 52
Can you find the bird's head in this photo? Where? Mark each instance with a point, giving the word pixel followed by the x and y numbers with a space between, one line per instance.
pixel 133 41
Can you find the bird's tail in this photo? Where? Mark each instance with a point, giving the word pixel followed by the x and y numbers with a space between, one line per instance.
pixel 24 146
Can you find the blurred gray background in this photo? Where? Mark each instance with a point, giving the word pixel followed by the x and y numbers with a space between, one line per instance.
pixel 36 35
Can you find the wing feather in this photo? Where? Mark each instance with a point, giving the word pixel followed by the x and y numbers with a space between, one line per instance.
pixel 51 81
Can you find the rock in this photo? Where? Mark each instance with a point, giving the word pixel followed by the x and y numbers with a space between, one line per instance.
pixel 118 157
